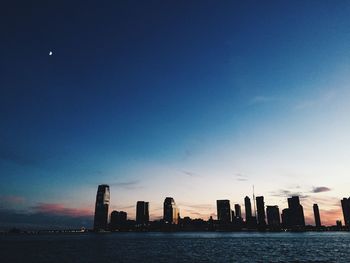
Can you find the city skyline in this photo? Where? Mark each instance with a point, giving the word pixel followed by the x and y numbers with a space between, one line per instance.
pixel 268 216
pixel 197 100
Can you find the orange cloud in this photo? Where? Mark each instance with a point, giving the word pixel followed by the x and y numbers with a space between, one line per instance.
pixel 328 217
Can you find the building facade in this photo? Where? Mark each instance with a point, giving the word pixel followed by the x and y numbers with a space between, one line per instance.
pixel 238 211
pixel 101 208
pixel 170 211
pixel 118 220
pixel 317 215
pixel 345 204
pixel 293 216
pixel 273 216
pixel 248 208
pixel 224 211
pixel 142 213
pixel 260 207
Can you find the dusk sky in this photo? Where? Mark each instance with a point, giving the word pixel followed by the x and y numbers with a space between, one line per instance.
pixel 197 100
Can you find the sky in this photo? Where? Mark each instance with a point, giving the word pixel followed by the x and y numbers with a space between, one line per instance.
pixel 197 100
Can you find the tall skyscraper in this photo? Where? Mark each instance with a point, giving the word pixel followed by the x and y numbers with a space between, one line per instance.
pixel 101 208
pixel 273 216
pixel 142 213
pixel 345 204
pixel 224 211
pixel 248 208
pixel 293 216
pixel 170 211
pixel 260 206
pixel 297 211
pixel 238 211
pixel 317 215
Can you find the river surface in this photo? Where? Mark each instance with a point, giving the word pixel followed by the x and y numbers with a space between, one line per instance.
pixel 177 247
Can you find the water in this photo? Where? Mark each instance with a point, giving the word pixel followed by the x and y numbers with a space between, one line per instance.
pixel 177 247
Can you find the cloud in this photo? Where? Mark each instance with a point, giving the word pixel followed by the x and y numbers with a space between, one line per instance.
pixel 124 207
pixel 133 184
pixel 43 219
pixel 192 174
pixel 288 193
pixel 241 177
pixel 197 214
pixel 196 206
pixel 320 189
pixel 155 216
pixel 325 201
pixel 196 210
pixel 60 209
pixel 12 199
pixel 329 217
pixel 296 192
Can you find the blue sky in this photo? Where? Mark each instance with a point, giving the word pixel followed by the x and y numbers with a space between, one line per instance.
pixel 193 99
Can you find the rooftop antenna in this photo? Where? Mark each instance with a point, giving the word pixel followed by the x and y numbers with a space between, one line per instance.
pixel 254 202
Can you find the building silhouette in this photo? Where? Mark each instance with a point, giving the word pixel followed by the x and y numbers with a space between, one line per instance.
pixel 232 214
pixel 339 224
pixel 249 218
pixel 317 215
pixel 101 208
pixel 345 204
pixel 260 206
pixel 293 216
pixel 224 211
pixel 248 208
pixel 142 213
pixel 238 211
pixel 118 220
pixel 286 218
pixel 170 211
pixel 227 219
pixel 273 216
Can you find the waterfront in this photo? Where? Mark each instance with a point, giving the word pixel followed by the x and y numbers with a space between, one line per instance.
pixel 177 247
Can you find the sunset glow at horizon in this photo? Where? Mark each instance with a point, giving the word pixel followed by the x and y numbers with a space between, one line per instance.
pixel 195 100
